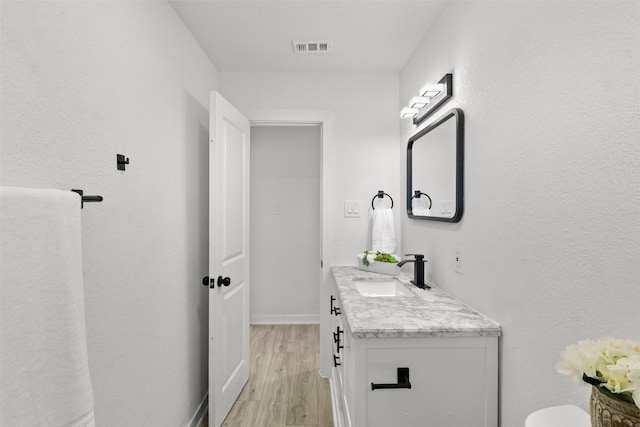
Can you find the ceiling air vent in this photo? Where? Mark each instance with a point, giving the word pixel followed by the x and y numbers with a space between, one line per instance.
pixel 316 46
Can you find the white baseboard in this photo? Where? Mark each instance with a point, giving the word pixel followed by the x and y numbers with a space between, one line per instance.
pixel 201 412
pixel 285 319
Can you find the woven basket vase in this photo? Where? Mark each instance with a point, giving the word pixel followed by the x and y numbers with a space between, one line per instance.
pixel 609 412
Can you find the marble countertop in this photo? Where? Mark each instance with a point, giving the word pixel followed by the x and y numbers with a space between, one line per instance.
pixel 429 313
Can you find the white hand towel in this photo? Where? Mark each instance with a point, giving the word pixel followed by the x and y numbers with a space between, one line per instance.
pixel 383 231
pixel 44 371
pixel 421 212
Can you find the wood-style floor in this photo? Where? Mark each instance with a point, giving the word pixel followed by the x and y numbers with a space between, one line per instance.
pixel 284 387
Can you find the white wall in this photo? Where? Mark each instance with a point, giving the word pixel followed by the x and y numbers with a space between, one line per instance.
pixel 82 81
pixel 366 159
pixel 285 224
pixel 551 229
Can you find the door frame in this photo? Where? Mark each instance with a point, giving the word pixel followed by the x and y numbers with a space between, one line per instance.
pixel 328 203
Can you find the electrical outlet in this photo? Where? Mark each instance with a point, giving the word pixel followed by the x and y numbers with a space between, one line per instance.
pixel 458 265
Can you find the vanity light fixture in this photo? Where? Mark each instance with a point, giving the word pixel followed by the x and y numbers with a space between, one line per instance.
pixel 432 96
pixel 432 89
pixel 408 112
pixel 419 102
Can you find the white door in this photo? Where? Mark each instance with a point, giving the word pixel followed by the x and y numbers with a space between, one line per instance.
pixel 228 256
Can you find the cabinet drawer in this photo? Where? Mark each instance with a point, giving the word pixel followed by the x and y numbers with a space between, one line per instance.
pixel 447 387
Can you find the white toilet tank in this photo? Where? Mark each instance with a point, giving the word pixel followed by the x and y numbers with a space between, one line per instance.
pixel 559 416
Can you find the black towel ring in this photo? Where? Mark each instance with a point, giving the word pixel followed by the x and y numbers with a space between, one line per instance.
pixel 417 195
pixel 380 195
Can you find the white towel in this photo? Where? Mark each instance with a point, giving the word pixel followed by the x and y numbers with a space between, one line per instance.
pixel 44 371
pixel 383 231
pixel 421 212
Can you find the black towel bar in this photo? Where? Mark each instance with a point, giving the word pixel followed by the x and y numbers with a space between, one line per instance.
pixel 84 198
pixel 380 195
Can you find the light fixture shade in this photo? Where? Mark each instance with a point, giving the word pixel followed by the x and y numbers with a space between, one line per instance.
pixel 419 101
pixel 408 113
pixel 432 89
pixel 439 93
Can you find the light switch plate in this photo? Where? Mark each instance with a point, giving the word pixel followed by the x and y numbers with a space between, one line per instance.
pixel 352 209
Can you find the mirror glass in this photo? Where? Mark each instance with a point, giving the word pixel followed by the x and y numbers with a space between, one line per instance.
pixel 435 160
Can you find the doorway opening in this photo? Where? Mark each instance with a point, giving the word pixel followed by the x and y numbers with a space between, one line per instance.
pixel 286 240
pixel 325 119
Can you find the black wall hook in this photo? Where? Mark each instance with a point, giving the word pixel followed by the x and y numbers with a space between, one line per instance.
pixel 121 161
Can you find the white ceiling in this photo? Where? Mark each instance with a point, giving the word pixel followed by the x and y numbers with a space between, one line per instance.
pixel 367 35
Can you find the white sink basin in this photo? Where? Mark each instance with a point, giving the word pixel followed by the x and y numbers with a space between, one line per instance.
pixel 381 288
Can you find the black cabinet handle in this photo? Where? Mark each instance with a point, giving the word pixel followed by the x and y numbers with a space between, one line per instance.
pixel 334 310
pixel 403 381
pixel 336 338
pixel 336 362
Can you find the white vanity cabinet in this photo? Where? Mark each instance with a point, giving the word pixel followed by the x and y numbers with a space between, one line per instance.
pixel 453 376
pixel 341 360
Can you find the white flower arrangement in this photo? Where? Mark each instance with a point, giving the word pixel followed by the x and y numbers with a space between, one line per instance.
pixel 611 364
pixel 367 257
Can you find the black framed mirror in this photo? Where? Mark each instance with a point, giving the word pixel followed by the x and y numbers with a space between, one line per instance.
pixel 435 170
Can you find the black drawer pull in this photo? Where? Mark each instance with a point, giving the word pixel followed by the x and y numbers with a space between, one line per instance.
pixel 337 340
pixel 334 310
pixel 403 381
pixel 336 362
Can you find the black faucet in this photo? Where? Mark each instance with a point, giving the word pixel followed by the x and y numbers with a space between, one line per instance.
pixel 418 270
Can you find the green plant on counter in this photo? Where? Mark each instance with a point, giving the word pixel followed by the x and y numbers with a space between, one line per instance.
pixel 382 257
pixel 365 260
pixel 379 256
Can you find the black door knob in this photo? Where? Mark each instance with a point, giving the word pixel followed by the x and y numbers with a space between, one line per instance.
pixel 223 281
pixel 205 281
